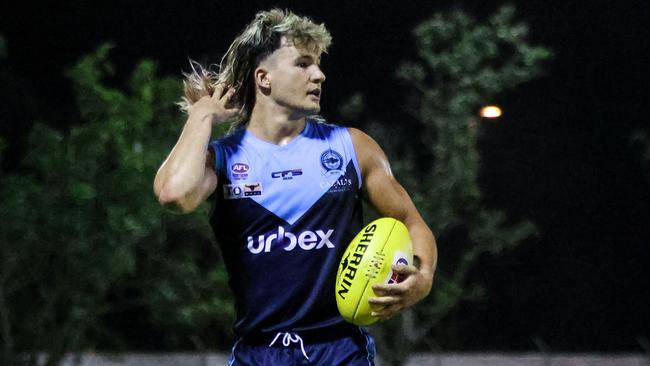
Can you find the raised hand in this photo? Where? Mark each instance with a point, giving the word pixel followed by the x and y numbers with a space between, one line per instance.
pixel 216 106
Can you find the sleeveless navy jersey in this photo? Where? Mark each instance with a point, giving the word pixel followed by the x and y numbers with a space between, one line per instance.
pixel 283 216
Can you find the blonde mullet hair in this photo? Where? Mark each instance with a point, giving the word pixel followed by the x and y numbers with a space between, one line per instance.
pixel 258 40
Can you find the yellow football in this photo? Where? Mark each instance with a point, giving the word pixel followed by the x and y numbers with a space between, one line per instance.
pixel 367 261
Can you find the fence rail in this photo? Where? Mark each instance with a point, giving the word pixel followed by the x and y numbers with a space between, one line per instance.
pixel 418 359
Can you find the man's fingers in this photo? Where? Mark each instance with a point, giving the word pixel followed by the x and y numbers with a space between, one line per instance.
pixel 232 111
pixel 392 298
pixel 388 290
pixel 218 92
pixel 405 270
pixel 226 97
pixel 387 312
pixel 385 301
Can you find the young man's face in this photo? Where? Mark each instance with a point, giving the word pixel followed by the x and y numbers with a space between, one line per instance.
pixel 295 79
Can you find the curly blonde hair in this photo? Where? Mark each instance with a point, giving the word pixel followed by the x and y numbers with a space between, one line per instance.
pixel 258 40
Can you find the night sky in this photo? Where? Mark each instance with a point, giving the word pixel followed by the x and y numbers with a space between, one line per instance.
pixel 561 155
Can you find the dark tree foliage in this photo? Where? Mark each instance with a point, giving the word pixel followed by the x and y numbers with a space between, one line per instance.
pixel 89 259
pixel 462 64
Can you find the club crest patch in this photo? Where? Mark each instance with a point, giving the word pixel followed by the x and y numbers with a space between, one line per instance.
pixel 331 161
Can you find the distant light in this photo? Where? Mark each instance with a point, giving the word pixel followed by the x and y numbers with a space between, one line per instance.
pixel 491 111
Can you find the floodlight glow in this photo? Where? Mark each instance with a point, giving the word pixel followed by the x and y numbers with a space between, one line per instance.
pixel 491 111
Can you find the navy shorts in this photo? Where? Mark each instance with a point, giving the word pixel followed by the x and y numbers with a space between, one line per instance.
pixel 335 346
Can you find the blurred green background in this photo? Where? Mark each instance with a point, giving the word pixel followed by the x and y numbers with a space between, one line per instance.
pixel 90 261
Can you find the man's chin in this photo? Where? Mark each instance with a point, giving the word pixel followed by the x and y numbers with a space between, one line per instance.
pixel 311 111
pixel 304 110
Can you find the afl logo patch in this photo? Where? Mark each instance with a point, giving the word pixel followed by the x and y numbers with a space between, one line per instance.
pixel 331 160
pixel 239 170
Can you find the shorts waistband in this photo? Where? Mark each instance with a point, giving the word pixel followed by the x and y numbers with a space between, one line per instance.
pixel 309 336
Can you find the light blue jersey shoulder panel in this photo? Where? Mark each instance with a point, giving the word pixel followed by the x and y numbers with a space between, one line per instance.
pixel 287 180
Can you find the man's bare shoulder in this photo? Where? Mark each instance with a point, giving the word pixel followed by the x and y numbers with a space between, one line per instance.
pixel 363 141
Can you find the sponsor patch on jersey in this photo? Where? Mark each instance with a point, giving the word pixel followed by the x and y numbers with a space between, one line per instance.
pixel 239 170
pixel 242 190
pixel 287 174
pixel 306 240
pixel 331 161
pixel 337 185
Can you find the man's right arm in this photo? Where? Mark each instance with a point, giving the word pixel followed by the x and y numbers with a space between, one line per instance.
pixel 187 177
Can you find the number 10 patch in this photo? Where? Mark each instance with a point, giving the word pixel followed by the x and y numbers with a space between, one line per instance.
pixel 243 190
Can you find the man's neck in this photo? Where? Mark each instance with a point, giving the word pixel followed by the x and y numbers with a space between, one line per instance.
pixel 274 125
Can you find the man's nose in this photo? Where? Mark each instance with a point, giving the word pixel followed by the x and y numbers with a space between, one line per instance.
pixel 318 75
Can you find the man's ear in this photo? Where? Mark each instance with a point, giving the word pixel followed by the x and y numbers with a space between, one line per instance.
pixel 262 78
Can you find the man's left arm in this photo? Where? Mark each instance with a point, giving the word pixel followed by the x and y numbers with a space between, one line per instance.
pixel 390 199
